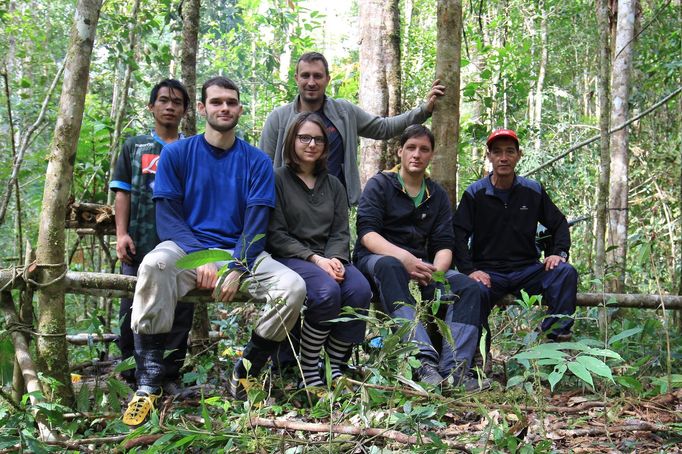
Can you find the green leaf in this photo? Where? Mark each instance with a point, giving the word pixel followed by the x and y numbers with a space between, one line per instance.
pixel 196 259
pixel 603 352
pixel 595 366
pixel 540 352
pixel 83 398
pixel 444 330
pixel 625 334
pixel 581 372
pixel 126 364
pixel 556 375
pixel 630 382
pixel 516 380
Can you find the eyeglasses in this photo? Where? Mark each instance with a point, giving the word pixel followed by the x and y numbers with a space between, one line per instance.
pixel 306 139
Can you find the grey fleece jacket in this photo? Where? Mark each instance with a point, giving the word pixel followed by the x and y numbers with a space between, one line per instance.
pixel 351 121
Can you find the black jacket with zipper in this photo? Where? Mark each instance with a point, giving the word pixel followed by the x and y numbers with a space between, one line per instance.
pixel 385 208
pixel 503 234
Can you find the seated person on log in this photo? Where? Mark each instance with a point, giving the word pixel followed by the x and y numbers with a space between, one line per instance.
pixel 499 215
pixel 133 183
pixel 404 226
pixel 212 191
pixel 309 233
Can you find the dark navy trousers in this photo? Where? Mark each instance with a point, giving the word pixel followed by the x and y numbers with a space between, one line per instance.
pixel 326 297
pixel 463 317
pixel 558 288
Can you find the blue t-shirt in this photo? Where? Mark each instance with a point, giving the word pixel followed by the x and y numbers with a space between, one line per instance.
pixel 215 187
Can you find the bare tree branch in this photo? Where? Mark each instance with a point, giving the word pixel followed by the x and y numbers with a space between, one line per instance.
pixel 23 146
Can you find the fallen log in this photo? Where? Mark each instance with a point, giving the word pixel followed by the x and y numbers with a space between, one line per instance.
pixel 394 435
pixel 117 285
pixel 25 362
pixel 88 338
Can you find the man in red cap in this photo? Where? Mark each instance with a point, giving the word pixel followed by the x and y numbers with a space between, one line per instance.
pixel 500 214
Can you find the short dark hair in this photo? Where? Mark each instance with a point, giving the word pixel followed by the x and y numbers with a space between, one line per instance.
pixel 171 84
pixel 289 152
pixel 220 81
pixel 309 57
pixel 417 131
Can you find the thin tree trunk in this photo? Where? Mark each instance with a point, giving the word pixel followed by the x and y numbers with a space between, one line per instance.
pixel 604 126
pixel 373 94
pixel 188 61
pixel 191 10
pixel 446 113
pixel 391 59
pixel 51 343
pixel 537 111
pixel 618 197
pixel 123 98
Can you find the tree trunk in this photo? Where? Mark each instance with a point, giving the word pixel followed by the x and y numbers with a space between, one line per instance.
pixel 51 344
pixel 604 126
pixel 188 67
pixel 188 61
pixel 373 94
pixel 618 197
pixel 446 113
pixel 391 59
pixel 537 111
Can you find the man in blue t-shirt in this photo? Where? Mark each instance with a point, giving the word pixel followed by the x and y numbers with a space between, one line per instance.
pixel 212 191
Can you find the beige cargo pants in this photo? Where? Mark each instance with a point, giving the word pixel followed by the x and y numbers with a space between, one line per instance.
pixel 160 284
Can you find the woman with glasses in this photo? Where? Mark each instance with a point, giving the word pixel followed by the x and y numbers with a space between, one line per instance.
pixel 309 233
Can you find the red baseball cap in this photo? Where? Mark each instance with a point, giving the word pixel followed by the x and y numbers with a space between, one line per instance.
pixel 499 133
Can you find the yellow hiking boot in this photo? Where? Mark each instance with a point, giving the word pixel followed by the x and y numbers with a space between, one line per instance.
pixel 139 408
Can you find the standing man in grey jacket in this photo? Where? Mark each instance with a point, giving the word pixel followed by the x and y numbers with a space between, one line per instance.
pixel 344 121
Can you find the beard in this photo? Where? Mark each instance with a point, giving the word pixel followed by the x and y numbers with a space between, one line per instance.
pixel 222 127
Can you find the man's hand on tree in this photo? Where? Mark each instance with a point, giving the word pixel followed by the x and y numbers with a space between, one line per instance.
pixel 124 246
pixel 437 90
pixel 553 261
pixel 482 277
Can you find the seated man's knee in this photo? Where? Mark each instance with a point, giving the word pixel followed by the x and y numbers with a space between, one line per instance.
pixel 390 268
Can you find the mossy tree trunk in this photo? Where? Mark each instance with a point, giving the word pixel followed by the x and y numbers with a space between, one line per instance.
pixel 51 344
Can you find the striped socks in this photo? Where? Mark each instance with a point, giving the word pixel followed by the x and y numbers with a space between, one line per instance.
pixel 312 339
pixel 339 353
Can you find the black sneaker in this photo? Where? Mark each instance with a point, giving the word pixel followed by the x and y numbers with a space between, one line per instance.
pixel 428 373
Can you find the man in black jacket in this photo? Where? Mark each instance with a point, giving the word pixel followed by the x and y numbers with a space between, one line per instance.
pixel 500 214
pixel 404 234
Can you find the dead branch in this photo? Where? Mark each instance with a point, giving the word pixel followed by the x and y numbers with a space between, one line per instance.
pixel 23 357
pixel 25 140
pixel 473 405
pixel 144 440
pixel 641 426
pixel 611 131
pixel 75 444
pixel 87 339
pixel 343 430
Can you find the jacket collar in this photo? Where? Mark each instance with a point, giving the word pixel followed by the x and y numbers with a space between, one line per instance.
pixel 490 187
